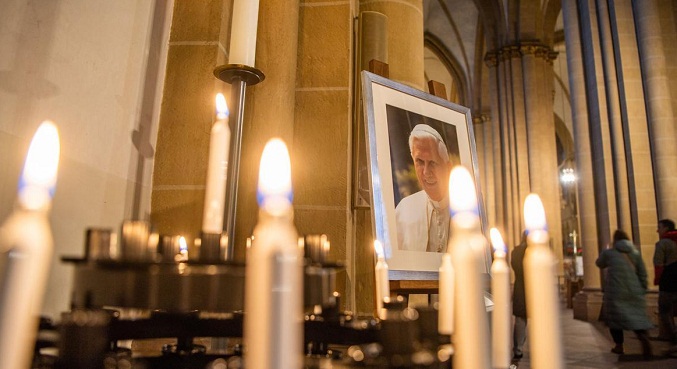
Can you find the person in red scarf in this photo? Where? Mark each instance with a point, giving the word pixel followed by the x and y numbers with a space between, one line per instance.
pixel 665 277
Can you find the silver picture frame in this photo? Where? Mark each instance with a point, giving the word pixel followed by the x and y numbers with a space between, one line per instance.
pixel 391 110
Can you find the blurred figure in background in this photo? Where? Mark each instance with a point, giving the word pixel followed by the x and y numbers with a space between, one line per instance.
pixel 625 287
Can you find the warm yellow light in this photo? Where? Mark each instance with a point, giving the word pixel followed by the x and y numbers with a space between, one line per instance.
pixel 534 214
pixel 274 190
pixel 38 180
pixel 462 195
pixel 378 248
pixel 497 241
pixel 221 107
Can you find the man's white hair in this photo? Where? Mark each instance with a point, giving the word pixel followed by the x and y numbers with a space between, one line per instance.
pixel 426 132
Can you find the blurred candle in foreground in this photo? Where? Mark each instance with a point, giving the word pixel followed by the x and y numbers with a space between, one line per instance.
pixel 501 316
pixel 382 281
pixel 467 243
pixel 273 321
pixel 26 248
pixel 545 339
pixel 445 313
pixel 217 166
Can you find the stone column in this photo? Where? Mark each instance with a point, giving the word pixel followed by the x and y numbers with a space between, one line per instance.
pixel 638 146
pixel 537 82
pixel 659 105
pixel 491 60
pixel 520 98
pixel 405 64
pixel 405 44
pixel 599 125
pixel 270 107
pixel 197 44
pixel 610 63
pixel 489 164
pixel 586 304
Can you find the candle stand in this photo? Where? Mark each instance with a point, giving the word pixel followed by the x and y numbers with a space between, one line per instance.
pixel 239 76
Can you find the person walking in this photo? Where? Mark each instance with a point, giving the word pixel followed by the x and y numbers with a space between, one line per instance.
pixel 665 277
pixel 625 287
pixel 519 306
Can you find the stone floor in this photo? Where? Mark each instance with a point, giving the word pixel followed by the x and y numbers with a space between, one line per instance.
pixel 588 345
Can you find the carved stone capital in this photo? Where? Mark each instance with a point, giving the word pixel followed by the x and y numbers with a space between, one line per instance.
pixel 491 59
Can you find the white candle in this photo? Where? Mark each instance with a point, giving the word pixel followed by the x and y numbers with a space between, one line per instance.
pixel 545 339
pixel 446 296
pixel 471 329
pixel 245 22
pixel 501 316
pixel 382 281
pixel 26 247
pixel 215 192
pixel 273 323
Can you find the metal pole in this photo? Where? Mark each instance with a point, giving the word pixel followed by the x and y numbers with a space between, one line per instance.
pixel 238 92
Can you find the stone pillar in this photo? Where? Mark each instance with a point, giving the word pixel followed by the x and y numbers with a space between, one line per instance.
pixel 605 193
pixel 610 63
pixel 269 108
pixel 489 164
pixel 520 98
pixel 659 105
pixel 508 146
pixel 542 138
pixel 196 46
pixel 491 60
pixel 638 146
pixel 405 44
pixel 405 63
pixel 587 303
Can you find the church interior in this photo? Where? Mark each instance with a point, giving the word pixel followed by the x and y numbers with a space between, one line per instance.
pixel 572 100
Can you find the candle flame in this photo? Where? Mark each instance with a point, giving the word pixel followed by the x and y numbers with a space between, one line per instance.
pixel 183 246
pixel 38 180
pixel 534 214
pixel 274 192
pixel 497 241
pixel 222 111
pixel 378 248
pixel 462 195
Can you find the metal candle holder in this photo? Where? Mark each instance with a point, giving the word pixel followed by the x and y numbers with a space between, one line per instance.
pixel 239 76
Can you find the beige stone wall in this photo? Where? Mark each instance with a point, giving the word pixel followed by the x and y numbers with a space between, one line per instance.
pixel 197 44
pixel 322 129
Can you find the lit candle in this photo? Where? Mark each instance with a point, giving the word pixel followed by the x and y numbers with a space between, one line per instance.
pixel 501 316
pixel 273 323
pixel 545 339
pixel 382 281
pixel 243 32
pixel 446 296
pixel 471 329
pixel 215 193
pixel 26 247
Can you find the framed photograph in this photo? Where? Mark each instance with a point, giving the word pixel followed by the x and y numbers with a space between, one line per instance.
pixel 413 141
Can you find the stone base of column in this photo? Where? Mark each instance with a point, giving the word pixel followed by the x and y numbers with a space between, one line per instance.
pixel 587 304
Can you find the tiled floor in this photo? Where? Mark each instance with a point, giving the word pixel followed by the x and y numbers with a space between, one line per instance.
pixel 588 345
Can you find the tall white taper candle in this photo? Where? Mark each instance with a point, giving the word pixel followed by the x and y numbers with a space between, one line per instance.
pixel 540 282
pixel 382 281
pixel 501 316
pixel 446 295
pixel 245 22
pixel 471 330
pixel 273 321
pixel 26 250
pixel 217 170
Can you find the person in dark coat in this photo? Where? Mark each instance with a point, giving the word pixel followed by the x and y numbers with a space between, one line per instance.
pixel 625 287
pixel 519 306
